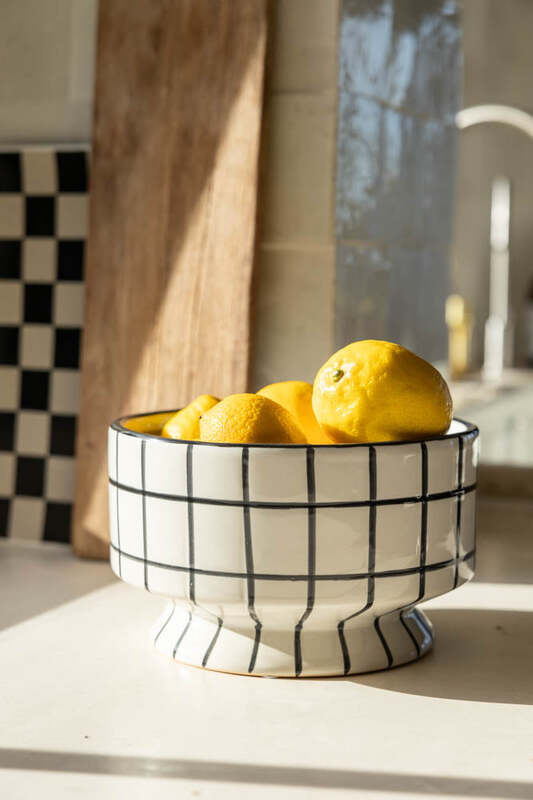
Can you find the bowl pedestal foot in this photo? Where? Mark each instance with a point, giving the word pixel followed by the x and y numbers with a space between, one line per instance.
pixel 365 643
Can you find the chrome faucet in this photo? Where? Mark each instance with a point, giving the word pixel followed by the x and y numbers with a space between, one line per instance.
pixel 498 344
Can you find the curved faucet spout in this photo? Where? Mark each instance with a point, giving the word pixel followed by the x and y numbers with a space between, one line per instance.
pixel 506 115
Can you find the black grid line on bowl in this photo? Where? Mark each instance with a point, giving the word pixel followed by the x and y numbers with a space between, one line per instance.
pixel 43 227
pixel 250 583
pixel 371 560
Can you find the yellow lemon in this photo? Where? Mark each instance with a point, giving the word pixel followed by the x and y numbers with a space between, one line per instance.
pixel 250 418
pixel 373 391
pixel 148 423
pixel 185 424
pixel 296 397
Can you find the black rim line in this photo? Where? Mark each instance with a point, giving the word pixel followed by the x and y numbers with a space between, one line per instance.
pixel 471 431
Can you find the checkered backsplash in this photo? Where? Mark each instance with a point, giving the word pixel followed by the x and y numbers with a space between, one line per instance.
pixel 43 227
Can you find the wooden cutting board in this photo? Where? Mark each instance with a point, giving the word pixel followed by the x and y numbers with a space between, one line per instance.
pixel 178 105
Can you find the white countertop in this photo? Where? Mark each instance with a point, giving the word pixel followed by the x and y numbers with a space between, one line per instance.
pixel 89 710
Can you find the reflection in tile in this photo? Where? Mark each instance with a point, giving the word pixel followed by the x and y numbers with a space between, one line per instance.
pixel 391 292
pixel 399 90
pixel 303 39
pixel 397 51
pixel 361 306
pixel 415 315
pixel 394 177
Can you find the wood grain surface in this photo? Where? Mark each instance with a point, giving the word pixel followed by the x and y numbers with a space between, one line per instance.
pixel 172 219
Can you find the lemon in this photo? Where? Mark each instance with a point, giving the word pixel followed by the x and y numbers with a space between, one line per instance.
pixel 250 418
pixel 148 423
pixel 296 397
pixel 373 391
pixel 185 424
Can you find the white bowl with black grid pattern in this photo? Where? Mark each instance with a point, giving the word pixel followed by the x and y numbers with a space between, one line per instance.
pixel 293 560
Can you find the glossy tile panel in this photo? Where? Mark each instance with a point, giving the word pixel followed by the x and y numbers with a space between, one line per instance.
pixel 399 71
pixel 394 178
pixel 397 51
pixel 392 292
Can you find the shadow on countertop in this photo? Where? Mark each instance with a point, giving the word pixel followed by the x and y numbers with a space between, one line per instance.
pixel 52 576
pixel 84 764
pixel 480 655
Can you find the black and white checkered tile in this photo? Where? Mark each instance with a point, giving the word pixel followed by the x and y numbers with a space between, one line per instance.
pixel 43 227
pixel 294 547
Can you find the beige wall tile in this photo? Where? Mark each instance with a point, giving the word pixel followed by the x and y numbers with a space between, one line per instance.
pixel 296 197
pixel 293 325
pixel 303 51
pixel 47 65
pixel 295 266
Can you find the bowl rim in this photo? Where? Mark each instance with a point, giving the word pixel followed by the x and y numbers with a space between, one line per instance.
pixel 117 425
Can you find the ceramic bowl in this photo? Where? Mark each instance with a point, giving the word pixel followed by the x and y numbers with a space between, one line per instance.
pixel 293 560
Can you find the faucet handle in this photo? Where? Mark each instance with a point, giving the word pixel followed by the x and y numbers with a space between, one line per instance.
pixel 456 311
pixel 460 322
